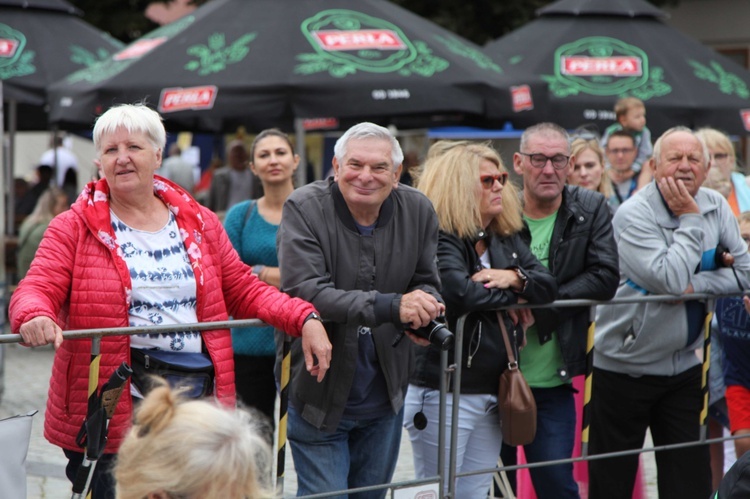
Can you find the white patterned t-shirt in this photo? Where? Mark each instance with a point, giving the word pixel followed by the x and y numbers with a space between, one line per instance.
pixel 163 285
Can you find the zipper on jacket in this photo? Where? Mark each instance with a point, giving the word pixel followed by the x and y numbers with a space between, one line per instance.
pixel 476 349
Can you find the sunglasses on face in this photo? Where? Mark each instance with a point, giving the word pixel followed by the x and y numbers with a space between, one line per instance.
pixel 488 181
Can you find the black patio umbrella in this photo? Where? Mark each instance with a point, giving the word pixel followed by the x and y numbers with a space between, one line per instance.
pixel 592 52
pixel 265 62
pixel 41 41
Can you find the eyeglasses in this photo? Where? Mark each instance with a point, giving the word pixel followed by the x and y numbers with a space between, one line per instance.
pixel 624 150
pixel 559 161
pixel 488 181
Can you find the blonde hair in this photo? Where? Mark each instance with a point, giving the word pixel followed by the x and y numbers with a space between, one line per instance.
pixel 44 210
pixel 715 139
pixel 625 104
pixel 449 179
pixel 580 145
pixel 191 449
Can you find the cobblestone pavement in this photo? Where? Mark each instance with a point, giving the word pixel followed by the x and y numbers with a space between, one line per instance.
pixel 27 373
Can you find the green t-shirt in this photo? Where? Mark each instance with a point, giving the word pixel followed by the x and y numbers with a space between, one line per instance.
pixel 540 363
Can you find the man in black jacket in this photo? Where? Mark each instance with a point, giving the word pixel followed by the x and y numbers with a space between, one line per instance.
pixel 569 230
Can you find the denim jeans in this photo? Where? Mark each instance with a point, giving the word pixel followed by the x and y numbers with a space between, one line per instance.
pixel 555 436
pixel 359 453
pixel 477 442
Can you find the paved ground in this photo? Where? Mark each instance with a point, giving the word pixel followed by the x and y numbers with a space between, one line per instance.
pixel 27 373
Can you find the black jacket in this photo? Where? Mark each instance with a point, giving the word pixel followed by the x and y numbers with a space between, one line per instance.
pixel 583 258
pixel 457 262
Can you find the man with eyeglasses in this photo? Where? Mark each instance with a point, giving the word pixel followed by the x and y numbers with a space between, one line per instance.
pixel 671 238
pixel 569 230
pixel 621 152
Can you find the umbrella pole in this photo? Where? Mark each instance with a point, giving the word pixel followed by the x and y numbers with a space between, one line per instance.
pixel 586 417
pixel 9 189
pixel 286 366
pixel 299 136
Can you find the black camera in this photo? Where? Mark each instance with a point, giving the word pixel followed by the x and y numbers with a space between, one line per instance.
pixel 437 333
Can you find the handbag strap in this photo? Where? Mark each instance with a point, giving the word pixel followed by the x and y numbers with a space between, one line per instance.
pixel 512 362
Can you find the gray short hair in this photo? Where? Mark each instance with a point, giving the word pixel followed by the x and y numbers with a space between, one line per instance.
pixel 699 137
pixel 135 118
pixel 367 130
pixel 544 128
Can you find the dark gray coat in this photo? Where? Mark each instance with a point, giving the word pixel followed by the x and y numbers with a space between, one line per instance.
pixel 354 281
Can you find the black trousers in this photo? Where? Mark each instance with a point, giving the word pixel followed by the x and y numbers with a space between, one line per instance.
pixel 622 408
pixel 256 385
pixel 102 481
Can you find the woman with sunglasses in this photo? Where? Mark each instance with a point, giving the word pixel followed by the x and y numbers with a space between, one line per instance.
pixel 483 266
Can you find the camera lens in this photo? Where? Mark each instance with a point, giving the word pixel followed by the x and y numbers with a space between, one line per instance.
pixel 436 333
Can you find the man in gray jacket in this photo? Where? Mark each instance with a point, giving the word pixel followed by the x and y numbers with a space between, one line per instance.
pixel 646 371
pixel 362 249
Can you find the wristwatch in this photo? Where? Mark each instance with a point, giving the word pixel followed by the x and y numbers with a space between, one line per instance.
pixel 524 280
pixel 313 315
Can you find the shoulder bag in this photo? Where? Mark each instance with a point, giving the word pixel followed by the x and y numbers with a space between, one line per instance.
pixel 514 399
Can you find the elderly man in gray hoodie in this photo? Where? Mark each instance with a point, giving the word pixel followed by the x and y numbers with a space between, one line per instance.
pixel 646 371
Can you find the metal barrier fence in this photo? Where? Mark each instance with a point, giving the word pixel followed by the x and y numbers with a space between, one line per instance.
pixel 453 371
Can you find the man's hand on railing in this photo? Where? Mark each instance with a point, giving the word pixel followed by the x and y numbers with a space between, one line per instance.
pixel 525 317
pixel 41 330
pixel 316 347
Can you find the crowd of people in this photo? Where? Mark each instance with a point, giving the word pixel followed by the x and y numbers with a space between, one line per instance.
pixel 351 267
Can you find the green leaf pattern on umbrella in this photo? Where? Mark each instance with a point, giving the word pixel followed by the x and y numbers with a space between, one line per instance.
pixel 23 66
pixel 727 83
pixel 20 63
pixel 481 60
pixel 425 64
pixel 654 87
pixel 215 55
pixel 407 57
pixel 87 58
pixel 112 66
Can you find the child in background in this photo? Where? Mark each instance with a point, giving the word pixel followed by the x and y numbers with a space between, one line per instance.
pixel 631 117
pixel 733 318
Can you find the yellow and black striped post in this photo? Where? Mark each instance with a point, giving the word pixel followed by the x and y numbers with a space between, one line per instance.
pixel 286 368
pixel 96 357
pixel 586 417
pixel 706 365
pixel 84 475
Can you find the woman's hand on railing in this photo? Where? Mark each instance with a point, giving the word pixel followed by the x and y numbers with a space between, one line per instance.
pixel 41 330
pixel 498 278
